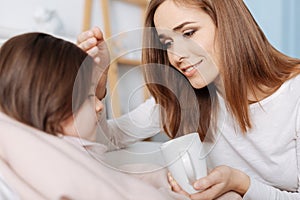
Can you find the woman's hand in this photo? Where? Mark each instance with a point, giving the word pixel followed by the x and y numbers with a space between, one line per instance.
pixel 220 180
pixel 92 42
pixel 175 187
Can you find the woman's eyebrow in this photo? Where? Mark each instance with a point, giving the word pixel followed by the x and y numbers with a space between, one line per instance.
pixel 176 28
pixel 180 26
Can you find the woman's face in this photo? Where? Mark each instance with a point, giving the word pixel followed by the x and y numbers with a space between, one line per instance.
pixel 188 34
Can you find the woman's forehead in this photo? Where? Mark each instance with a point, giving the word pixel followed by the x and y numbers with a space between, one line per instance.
pixel 170 15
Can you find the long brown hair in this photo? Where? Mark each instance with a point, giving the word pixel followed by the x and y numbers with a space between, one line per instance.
pixel 37 75
pixel 249 63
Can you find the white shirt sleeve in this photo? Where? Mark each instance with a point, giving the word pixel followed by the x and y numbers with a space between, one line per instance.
pixel 143 122
pixel 258 190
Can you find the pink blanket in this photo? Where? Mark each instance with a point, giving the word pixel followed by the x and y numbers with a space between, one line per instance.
pixel 41 166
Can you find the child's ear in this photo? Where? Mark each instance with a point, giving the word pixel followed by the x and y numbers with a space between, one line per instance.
pixel 67 126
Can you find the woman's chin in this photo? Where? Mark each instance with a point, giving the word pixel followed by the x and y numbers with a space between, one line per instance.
pixel 198 85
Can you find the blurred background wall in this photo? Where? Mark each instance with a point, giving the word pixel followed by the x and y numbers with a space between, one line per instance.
pixel 279 19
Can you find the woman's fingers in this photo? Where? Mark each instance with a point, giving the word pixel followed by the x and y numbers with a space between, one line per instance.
pixel 208 194
pixel 88 44
pixel 173 183
pixel 97 33
pixel 89 39
pixel 219 181
pixel 214 177
pixel 84 36
pixel 175 187
pixel 93 51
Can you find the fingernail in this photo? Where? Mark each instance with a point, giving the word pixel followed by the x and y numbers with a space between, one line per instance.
pixel 90 33
pixel 197 184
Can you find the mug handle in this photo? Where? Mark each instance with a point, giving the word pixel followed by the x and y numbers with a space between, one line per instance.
pixel 188 167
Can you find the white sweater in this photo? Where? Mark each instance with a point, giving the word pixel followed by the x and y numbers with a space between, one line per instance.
pixel 269 153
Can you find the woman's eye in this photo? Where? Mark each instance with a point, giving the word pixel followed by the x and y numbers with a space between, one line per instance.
pixel 167 44
pixel 188 33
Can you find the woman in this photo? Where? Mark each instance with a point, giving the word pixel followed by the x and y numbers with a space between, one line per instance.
pixel 50 92
pixel 240 74
pixel 245 95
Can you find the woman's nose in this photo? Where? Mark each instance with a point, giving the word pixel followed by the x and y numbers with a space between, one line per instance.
pixel 176 58
pixel 177 54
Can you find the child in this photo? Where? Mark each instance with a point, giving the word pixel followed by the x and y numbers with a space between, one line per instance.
pixel 48 88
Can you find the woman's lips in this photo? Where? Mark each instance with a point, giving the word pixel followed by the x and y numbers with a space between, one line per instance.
pixel 191 70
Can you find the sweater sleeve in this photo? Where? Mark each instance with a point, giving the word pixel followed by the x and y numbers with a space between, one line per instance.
pixel 258 190
pixel 141 123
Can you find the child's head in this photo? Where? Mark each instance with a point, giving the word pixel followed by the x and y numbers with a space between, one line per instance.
pixel 44 80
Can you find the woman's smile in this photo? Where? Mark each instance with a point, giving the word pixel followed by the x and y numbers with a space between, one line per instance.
pixel 191 70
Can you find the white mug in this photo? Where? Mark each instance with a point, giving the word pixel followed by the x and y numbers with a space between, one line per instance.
pixel 182 157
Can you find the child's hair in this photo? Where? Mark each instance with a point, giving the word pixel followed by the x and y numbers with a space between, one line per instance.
pixel 37 77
